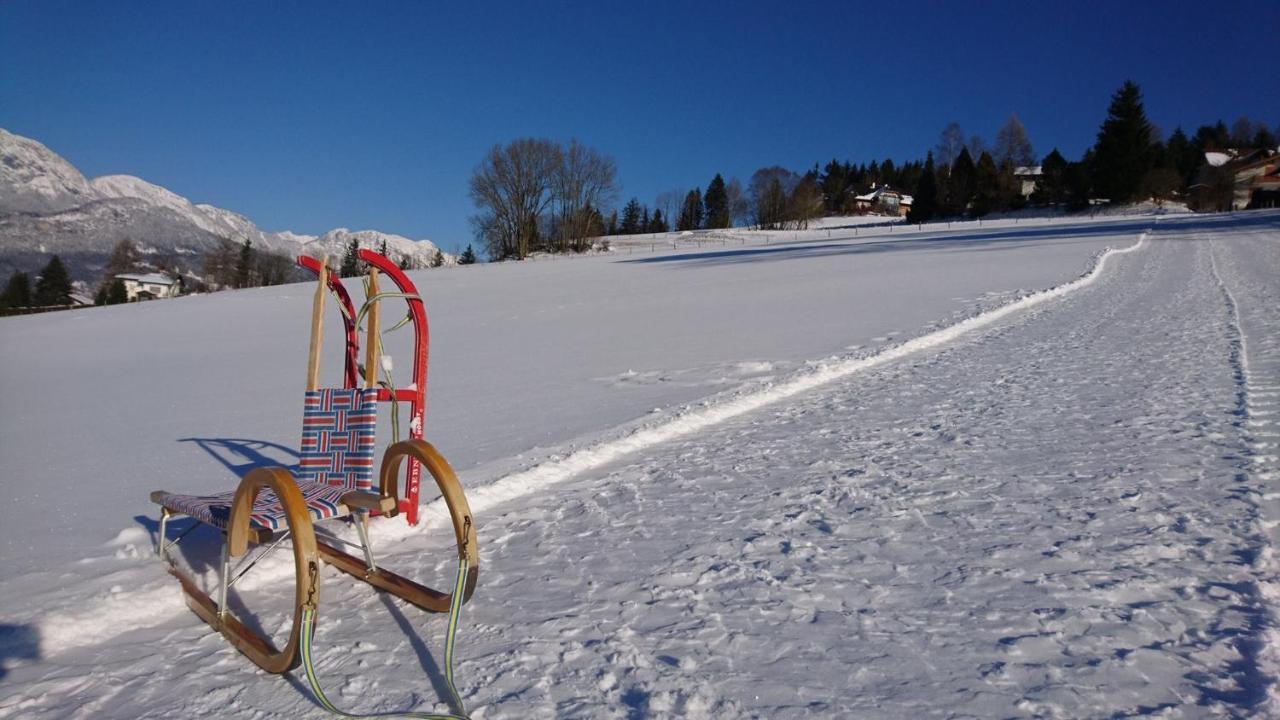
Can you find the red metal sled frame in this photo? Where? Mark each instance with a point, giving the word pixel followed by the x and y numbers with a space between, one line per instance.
pixel 416 393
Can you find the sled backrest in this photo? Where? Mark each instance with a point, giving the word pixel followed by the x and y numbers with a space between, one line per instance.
pixel 339 424
pixel 338 427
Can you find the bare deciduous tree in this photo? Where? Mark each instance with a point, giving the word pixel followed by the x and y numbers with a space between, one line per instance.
pixel 512 188
pixel 805 203
pixel 770 188
pixel 220 264
pixel 1012 145
pixel 584 182
pixel 950 143
pixel 739 208
pixel 670 202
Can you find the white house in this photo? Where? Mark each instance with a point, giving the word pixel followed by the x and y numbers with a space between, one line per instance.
pixel 150 286
pixel 883 200
pixel 1027 177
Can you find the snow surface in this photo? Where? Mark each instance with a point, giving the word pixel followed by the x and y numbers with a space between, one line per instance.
pixel 878 476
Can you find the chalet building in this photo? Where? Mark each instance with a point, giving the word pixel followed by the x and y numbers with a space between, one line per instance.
pixel 882 200
pixel 150 286
pixel 1257 182
pixel 1236 180
pixel 1027 176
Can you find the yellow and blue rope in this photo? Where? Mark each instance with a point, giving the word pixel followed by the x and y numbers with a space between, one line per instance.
pixel 455 612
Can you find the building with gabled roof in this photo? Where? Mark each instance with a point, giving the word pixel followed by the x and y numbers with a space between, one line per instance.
pixel 150 286
pixel 883 200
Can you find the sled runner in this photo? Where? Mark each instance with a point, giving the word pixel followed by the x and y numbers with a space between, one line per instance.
pixel 335 481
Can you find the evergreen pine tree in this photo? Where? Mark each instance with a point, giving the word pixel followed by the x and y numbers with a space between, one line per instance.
pixel 54 285
pixel 1212 137
pixel 350 260
pixel 986 197
pixel 924 205
pixel 244 265
pixel 116 293
pixel 437 258
pixel 691 211
pixel 382 248
pixel 1264 139
pixel 1051 188
pixel 873 173
pixel 834 183
pixel 888 173
pixel 468 256
pixel 630 224
pixel 1123 153
pixel 717 203
pixel 1077 184
pixel 1183 156
pixel 657 224
pixel 644 219
pixel 961 183
pixel 17 293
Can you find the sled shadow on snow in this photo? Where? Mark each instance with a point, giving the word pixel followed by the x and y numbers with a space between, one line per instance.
pixel 242 455
pixel 18 642
pixel 202 547
pixel 958 241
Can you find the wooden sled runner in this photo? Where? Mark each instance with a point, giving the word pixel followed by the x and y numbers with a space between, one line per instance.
pixel 334 482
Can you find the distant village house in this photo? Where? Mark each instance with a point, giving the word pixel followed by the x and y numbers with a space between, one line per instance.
pixel 882 200
pixel 1237 180
pixel 151 286
pixel 1027 177
pixel 1257 182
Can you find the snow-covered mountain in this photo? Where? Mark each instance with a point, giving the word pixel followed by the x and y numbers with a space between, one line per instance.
pixel 34 179
pixel 47 206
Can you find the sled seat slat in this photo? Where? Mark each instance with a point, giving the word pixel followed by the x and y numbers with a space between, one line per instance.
pixel 322 502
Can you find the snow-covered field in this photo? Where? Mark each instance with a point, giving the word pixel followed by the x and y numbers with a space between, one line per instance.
pixel 858 476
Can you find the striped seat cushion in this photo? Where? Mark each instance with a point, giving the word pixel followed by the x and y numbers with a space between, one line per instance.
pixel 338 426
pixel 322 502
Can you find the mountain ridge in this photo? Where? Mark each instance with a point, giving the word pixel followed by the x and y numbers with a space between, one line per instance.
pixel 47 206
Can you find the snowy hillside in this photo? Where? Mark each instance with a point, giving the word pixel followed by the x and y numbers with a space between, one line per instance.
pixel 1025 469
pixel 47 206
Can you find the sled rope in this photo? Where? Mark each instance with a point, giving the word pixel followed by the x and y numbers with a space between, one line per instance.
pixel 455 611
pixel 375 296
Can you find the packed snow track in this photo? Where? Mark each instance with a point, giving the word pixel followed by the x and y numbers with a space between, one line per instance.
pixel 1064 516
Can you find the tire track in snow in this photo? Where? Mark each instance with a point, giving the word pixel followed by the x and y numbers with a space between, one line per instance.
pixel 1257 409
pixel 106 619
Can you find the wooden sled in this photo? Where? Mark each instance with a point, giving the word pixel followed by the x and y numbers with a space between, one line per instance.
pixel 271 505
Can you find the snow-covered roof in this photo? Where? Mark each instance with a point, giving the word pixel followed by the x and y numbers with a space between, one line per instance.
pixel 149 278
pixel 1217 159
pixel 876 192
pixel 1028 170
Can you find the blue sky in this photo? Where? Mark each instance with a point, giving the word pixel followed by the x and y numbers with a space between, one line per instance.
pixel 313 115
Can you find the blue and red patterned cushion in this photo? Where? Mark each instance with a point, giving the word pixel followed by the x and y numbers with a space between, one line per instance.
pixel 338 426
pixel 322 502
